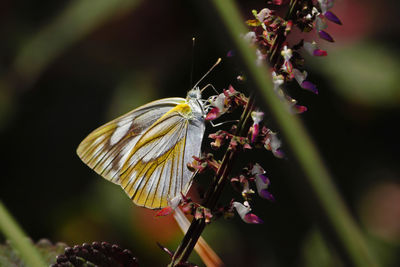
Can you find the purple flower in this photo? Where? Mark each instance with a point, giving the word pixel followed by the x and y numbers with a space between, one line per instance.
pixel 320 53
pixel 263 14
pixel 262 184
pixel 218 104
pixel 309 86
pixel 257 169
pixel 332 17
pixel 313 50
pixel 300 78
pixel 273 143
pixel 244 213
pixel 324 35
pixel 257 117
pixel 252 218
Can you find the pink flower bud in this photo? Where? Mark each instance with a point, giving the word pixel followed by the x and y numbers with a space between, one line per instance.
pixel 320 53
pixel 164 212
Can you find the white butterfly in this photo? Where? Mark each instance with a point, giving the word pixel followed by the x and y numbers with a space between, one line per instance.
pixel 146 151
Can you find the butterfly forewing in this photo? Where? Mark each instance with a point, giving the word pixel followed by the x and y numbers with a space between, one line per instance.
pixel 105 149
pixel 146 150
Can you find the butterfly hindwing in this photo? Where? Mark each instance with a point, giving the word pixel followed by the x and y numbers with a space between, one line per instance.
pixel 146 151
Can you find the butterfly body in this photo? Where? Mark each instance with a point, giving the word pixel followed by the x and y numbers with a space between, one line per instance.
pixel 146 151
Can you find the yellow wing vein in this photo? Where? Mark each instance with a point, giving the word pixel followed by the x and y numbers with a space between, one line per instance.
pixel 170 155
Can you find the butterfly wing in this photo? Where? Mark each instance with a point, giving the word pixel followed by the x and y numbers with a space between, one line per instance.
pixel 156 169
pixel 146 151
pixel 106 148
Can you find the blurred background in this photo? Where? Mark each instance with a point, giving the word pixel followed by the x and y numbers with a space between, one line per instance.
pixel 66 67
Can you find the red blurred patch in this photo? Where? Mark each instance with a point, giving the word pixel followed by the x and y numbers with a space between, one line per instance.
pixel 156 229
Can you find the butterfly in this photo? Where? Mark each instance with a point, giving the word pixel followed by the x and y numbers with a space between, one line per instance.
pixel 146 151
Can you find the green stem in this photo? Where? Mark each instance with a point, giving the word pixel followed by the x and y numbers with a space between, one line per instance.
pixel 19 240
pixel 300 143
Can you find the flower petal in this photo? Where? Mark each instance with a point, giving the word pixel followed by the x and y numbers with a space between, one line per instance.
pixel 332 17
pixel 164 212
pixel 299 109
pixel 324 35
pixel 299 76
pixel 241 209
pixel 267 195
pixel 262 181
pixel 212 114
pixel 309 86
pixel 257 169
pixel 257 116
pixel 319 53
pixel 252 218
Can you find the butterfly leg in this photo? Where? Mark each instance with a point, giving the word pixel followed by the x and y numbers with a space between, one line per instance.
pixel 209 85
pixel 222 123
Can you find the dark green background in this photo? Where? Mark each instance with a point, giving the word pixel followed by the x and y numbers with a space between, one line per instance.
pixel 135 54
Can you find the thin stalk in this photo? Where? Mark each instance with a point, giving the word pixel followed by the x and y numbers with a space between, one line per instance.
pixel 300 143
pixel 19 240
pixel 197 226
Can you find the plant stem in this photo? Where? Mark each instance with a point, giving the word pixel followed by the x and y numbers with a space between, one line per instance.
pixel 317 176
pixel 197 226
pixel 18 239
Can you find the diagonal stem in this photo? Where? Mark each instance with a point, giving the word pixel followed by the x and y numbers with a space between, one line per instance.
pixel 197 226
pixel 215 190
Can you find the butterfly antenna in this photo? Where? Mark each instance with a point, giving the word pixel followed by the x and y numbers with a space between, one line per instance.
pixel 213 66
pixel 192 65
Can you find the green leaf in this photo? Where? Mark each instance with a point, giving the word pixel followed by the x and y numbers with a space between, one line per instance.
pixel 10 257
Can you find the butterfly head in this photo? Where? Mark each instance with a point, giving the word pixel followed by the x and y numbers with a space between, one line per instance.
pixel 194 93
